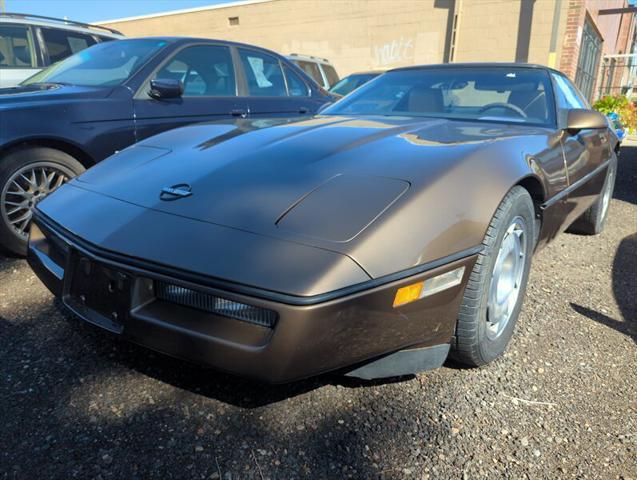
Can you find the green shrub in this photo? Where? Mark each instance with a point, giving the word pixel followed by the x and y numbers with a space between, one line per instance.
pixel 624 108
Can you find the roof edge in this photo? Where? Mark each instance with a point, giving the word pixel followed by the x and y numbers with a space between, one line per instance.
pixel 238 3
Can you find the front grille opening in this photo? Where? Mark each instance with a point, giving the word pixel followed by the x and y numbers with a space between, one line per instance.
pixel 216 305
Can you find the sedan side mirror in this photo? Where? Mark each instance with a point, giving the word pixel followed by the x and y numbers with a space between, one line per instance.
pixel 583 119
pixel 166 88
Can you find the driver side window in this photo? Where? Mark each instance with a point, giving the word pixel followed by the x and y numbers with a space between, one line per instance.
pixel 204 70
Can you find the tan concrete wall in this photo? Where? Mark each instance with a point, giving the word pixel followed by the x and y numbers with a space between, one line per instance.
pixel 354 34
pixel 378 34
pixel 488 30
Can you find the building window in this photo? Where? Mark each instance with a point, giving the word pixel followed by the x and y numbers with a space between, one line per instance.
pixel 588 62
pixel 233 21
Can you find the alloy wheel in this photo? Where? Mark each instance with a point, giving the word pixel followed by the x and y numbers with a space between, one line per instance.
pixel 25 188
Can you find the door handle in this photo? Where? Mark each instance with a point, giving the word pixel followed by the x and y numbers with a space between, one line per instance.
pixel 238 113
pixel 303 110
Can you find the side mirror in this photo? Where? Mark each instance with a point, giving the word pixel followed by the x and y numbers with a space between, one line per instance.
pixel 583 119
pixel 166 88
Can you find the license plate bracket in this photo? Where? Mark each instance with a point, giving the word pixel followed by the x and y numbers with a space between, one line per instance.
pixel 98 294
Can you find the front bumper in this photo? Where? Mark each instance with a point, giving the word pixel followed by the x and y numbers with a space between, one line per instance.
pixel 311 335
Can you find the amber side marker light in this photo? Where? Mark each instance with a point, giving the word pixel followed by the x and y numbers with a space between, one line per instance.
pixel 416 291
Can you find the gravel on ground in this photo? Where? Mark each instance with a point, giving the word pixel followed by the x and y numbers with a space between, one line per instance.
pixel 562 402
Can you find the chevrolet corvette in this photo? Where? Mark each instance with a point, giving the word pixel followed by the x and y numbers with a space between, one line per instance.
pixel 376 239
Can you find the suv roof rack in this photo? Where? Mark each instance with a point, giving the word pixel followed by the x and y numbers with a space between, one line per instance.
pixel 58 20
pixel 309 56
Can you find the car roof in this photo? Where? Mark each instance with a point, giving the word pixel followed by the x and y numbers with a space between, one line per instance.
pixel 477 65
pixel 186 40
pixel 59 23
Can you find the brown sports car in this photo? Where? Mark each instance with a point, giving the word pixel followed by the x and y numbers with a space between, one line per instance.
pixel 377 238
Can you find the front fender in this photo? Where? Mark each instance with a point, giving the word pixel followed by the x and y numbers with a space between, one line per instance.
pixel 448 210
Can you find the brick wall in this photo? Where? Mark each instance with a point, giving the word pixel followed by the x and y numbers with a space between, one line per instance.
pixel 616 32
pixel 575 17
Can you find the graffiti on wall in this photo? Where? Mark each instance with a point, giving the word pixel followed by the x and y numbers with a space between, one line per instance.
pixel 397 51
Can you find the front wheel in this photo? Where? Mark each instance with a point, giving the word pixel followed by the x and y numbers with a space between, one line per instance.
pixel 493 297
pixel 26 177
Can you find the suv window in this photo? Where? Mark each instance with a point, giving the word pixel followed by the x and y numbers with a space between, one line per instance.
pixel 312 69
pixel 64 43
pixel 566 94
pixel 296 86
pixel 16 47
pixel 205 71
pixel 263 74
pixel 330 73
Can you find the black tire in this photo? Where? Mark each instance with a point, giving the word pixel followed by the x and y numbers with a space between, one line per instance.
pixel 12 240
pixel 475 344
pixel 593 220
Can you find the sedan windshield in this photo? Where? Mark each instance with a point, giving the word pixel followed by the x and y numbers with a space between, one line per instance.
pixel 104 64
pixel 506 94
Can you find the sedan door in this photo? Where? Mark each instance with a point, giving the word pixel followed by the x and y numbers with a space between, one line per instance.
pixel 207 72
pixel 273 89
pixel 585 152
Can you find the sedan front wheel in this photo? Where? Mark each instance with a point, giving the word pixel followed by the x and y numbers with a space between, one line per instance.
pixel 26 177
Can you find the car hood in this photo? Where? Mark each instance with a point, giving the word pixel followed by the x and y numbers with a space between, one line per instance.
pixel 327 181
pixel 28 95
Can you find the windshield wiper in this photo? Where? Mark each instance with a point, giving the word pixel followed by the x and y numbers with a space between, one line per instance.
pixel 62 84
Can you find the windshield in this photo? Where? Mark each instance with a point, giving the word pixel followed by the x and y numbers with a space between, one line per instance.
pixel 351 83
pixel 104 64
pixel 506 94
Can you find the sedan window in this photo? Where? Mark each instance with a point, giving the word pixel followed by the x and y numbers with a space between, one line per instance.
pixel 204 70
pixel 263 74
pixel 296 86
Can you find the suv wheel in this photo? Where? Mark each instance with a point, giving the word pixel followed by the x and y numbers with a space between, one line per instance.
pixel 26 177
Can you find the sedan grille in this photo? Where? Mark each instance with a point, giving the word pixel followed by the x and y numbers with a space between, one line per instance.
pixel 216 305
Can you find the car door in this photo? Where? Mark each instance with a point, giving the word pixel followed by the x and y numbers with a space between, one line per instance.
pixel 19 57
pixel 273 89
pixel 585 152
pixel 207 72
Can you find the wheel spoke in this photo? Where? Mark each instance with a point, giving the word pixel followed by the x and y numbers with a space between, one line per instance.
pixel 59 182
pixel 20 189
pixel 15 210
pixel 25 216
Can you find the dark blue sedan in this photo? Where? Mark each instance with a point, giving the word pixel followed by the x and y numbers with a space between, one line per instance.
pixel 101 100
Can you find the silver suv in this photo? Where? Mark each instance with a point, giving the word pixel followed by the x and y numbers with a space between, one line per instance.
pixel 320 69
pixel 28 43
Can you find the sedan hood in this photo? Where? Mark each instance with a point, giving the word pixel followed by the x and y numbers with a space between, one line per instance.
pixel 27 95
